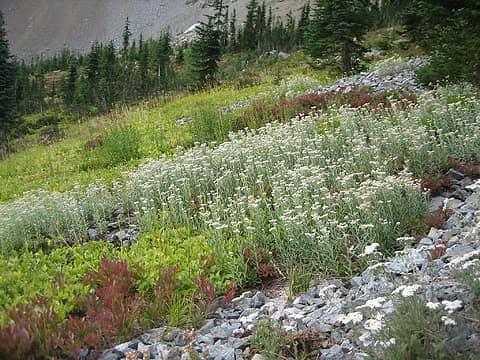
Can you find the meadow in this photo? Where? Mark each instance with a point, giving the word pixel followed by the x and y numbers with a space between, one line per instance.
pixel 227 201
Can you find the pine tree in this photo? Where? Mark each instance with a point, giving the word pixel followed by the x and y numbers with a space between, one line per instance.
pixel 206 50
pixel 232 33
pixel 450 32
pixel 126 73
pixel 143 66
pixel 303 24
pixel 69 86
pixel 92 70
pixel 7 90
pixel 249 35
pixel 163 52
pixel 336 29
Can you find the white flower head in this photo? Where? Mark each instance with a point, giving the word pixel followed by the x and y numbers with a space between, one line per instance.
pixel 433 305
pixel 407 291
pixel 452 306
pixel 353 317
pixel 373 325
pixel 370 249
pixel 373 303
pixel 448 321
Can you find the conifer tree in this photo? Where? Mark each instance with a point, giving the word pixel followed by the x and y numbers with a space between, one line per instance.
pixel 69 86
pixel 206 50
pixel 232 32
pixel 450 32
pixel 303 24
pixel 143 66
pixel 163 52
pixel 7 90
pixel 336 29
pixel 249 35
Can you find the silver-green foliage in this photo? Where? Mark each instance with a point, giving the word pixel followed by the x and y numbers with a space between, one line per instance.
pixel 314 191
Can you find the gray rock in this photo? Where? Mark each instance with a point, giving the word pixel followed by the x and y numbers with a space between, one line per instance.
pixel 426 241
pixel 356 281
pixel 180 340
pixel 473 201
pixel 347 346
pixel 130 345
pixel 184 120
pixel 334 353
pixel 457 251
pixel 209 325
pixel 303 300
pixel 258 300
pixel 154 336
pixel 93 234
pixel 319 326
pixel 457 175
pixel 221 333
pixel 435 204
pixel 221 352
pixel 111 355
pixel 452 204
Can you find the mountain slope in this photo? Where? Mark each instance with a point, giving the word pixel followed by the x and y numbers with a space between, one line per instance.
pixel 42 27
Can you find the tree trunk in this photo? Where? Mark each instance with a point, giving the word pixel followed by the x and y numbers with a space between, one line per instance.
pixel 346 57
pixel 3 144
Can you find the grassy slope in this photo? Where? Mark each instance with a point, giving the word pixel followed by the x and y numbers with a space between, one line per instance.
pixel 62 165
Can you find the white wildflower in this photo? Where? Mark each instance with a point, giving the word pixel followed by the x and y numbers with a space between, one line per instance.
pixel 433 305
pixel 407 291
pixel 353 317
pixel 373 325
pixel 452 306
pixel 370 249
pixel 373 303
pixel 448 321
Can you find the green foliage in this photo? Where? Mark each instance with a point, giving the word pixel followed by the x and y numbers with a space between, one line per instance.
pixel 299 278
pixel 121 144
pixel 7 90
pixel 419 332
pixel 450 32
pixel 269 340
pixel 336 29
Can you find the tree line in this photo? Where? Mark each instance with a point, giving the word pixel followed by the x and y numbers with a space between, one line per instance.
pixel 107 76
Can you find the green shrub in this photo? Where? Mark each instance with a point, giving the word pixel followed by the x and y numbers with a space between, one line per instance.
pixel 121 144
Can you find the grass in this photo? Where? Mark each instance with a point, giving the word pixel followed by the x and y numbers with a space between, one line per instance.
pixel 62 165
pixel 300 196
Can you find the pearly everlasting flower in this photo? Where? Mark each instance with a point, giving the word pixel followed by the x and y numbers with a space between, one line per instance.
pixel 353 317
pixel 452 306
pixel 373 325
pixel 448 321
pixel 373 303
pixel 370 249
pixel 434 305
pixel 407 291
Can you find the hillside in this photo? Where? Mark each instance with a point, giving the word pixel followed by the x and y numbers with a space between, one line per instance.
pixel 307 189
pixel 42 27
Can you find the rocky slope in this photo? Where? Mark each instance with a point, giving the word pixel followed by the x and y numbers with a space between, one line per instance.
pixel 347 315
pixel 42 27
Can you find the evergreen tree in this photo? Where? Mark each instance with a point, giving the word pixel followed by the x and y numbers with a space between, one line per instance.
pixel 232 33
pixel 450 32
pixel 303 24
pixel 164 50
pixel 92 70
pixel 206 50
pixel 143 67
pixel 69 86
pixel 249 35
pixel 336 29
pixel 7 90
